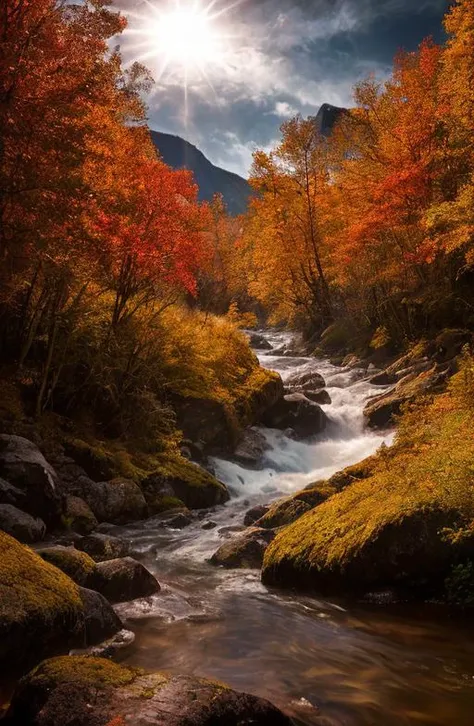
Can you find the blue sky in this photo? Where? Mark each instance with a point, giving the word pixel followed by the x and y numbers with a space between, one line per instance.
pixel 272 59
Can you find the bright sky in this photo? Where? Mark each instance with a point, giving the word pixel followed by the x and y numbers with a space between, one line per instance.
pixel 228 73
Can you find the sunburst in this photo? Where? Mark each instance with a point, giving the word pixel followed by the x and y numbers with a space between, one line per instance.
pixel 184 41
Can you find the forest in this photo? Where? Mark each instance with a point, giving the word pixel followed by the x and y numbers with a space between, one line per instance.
pixel 131 316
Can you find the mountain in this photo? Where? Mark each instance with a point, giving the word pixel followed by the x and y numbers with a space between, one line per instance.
pixel 327 117
pixel 179 154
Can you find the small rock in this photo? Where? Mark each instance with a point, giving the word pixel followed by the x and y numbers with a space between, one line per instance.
pixel 126 579
pixel 209 525
pixel 21 525
pixel 179 521
pixel 322 397
pixel 77 565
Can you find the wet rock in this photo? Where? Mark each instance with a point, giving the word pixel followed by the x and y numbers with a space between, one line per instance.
pixel 23 465
pixel 126 579
pixel 102 547
pixel 251 448
pixel 259 342
pixel 78 565
pixel 311 381
pixel 322 397
pixel 255 513
pixel 243 551
pixel 297 412
pixel 79 515
pixel 100 619
pixel 21 525
pixel 99 692
pixel 179 521
pixel 283 513
pixel 209 525
pixel 118 501
pixel 383 379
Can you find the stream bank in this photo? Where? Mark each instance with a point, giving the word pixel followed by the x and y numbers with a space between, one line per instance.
pixel 325 661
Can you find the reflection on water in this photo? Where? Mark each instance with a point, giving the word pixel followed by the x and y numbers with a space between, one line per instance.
pixel 326 663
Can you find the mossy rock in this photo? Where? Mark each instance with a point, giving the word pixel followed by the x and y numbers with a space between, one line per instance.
pixel 125 579
pixel 179 478
pixel 79 516
pixel 78 565
pixel 97 462
pixel 101 693
pixel 41 611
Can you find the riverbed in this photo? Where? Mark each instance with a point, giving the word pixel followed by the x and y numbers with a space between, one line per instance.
pixel 331 662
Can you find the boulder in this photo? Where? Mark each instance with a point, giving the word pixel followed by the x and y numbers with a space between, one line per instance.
pixel 118 501
pixel 100 619
pixel 79 515
pixel 76 564
pixel 283 513
pixel 255 513
pixel 298 413
pixel 41 611
pixel 407 548
pixel 259 342
pixel 322 397
pixel 251 448
pixel 99 692
pixel 245 550
pixel 383 379
pixel 11 495
pixel 288 510
pixel 216 425
pixel 308 381
pixel 209 525
pixel 180 479
pixel 126 579
pixel 21 525
pixel 23 465
pixel 102 547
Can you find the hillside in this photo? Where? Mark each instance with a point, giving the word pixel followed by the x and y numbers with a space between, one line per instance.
pixel 178 153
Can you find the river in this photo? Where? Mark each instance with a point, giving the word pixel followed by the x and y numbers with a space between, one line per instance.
pixel 326 662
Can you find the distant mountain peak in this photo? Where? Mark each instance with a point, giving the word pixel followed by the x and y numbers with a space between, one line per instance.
pixel 327 117
pixel 181 154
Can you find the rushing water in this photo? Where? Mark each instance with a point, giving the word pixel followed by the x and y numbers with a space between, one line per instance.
pixel 324 662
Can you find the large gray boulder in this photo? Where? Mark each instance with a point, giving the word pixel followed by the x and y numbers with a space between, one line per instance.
pixel 11 495
pixel 23 465
pixel 21 525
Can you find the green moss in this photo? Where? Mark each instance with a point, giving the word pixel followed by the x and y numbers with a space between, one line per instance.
pixel 426 477
pixel 460 585
pixel 167 503
pixel 77 565
pixel 83 670
pixel 30 586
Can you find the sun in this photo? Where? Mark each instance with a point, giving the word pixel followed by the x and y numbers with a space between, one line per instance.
pixel 187 35
pixel 184 37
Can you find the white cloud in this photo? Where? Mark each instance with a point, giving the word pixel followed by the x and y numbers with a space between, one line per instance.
pixel 283 109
